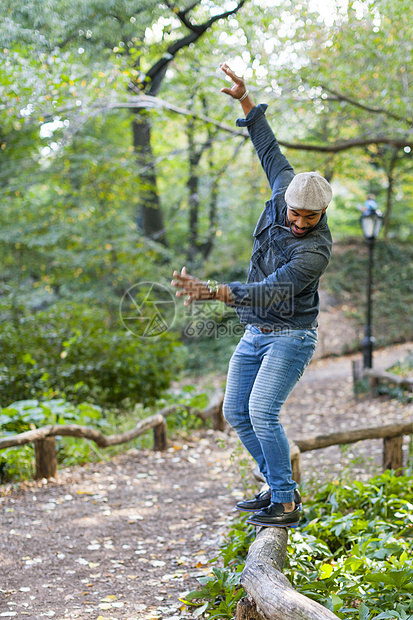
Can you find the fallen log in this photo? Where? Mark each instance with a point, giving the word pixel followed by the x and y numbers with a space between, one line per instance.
pixel 270 594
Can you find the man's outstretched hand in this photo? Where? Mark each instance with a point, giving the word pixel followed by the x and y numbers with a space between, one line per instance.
pixel 191 286
pixel 196 289
pixel 239 90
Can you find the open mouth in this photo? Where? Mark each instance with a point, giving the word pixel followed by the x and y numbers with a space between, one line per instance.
pixel 299 231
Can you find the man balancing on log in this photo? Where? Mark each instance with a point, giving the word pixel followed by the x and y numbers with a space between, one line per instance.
pixel 279 305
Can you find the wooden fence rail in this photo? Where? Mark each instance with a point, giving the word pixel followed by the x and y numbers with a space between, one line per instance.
pixel 375 376
pixel 268 590
pixel 45 446
pixel 392 435
pixel 44 438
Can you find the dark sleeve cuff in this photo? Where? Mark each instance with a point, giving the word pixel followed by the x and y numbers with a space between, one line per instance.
pixel 253 115
pixel 238 293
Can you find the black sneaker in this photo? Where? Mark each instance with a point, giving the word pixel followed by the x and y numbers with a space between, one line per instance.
pixel 262 500
pixel 274 515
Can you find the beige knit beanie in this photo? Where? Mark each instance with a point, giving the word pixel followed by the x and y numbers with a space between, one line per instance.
pixel 309 191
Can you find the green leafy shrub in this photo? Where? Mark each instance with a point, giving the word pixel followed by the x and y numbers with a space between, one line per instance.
pixel 221 591
pixel 183 418
pixel 346 278
pixel 17 464
pixel 21 416
pixel 384 387
pixel 71 350
pixel 353 552
pixel 403 368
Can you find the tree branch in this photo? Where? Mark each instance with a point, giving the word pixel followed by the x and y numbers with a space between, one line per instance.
pixel 348 144
pixel 182 14
pixel 150 102
pixel 147 101
pixel 367 108
pixel 157 72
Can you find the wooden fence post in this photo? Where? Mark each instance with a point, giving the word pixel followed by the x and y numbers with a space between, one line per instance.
pixel 218 420
pixel 393 454
pixel 46 460
pixel 295 455
pixel 356 371
pixel 160 440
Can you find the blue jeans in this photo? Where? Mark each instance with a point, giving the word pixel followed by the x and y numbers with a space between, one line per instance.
pixel 262 372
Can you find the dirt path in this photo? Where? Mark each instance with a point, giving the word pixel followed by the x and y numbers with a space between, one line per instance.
pixel 125 538
pixel 119 539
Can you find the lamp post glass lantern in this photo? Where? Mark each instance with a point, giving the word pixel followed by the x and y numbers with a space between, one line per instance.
pixel 371 221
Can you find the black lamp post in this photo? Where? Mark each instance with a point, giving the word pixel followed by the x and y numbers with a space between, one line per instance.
pixel 371 220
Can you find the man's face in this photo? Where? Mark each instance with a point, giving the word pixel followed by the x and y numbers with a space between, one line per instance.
pixel 302 221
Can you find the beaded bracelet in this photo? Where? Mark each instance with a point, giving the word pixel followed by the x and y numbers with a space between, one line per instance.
pixel 213 286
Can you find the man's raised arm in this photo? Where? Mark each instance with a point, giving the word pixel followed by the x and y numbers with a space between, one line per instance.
pixel 276 166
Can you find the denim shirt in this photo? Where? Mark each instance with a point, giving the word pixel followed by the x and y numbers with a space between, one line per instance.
pixel 281 291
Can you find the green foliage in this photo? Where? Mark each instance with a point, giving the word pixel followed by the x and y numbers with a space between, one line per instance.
pixel 24 415
pixel 243 463
pixel 352 553
pixel 18 462
pixel 72 181
pixel 183 419
pixel 403 368
pixel 235 549
pixel 221 591
pixel 355 545
pixel 71 350
pixel 346 278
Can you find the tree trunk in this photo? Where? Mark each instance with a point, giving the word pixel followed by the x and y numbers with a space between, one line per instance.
pixel 213 197
pixel 193 191
pixel 149 217
pixel 218 420
pixel 295 455
pixel 247 610
pixel 390 192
